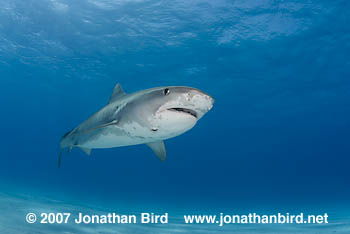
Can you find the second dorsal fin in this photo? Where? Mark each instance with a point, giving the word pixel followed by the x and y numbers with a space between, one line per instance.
pixel 86 150
pixel 117 93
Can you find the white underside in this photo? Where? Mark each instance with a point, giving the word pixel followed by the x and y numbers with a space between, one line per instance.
pixel 112 140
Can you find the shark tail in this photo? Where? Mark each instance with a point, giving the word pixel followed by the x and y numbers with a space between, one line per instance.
pixel 64 145
pixel 60 157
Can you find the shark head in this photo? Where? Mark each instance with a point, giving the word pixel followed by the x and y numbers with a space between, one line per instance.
pixel 165 112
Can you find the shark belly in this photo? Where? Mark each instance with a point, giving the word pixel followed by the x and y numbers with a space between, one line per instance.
pixel 110 137
pixel 111 140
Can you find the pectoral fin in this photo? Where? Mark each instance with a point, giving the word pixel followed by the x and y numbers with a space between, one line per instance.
pixel 86 150
pixel 159 149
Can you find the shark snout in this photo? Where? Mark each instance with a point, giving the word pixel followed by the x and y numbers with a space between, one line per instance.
pixel 211 100
pixel 201 102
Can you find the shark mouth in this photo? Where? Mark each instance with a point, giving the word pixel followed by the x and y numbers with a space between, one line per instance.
pixel 185 110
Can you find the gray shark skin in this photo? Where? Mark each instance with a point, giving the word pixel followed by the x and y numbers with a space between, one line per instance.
pixel 146 117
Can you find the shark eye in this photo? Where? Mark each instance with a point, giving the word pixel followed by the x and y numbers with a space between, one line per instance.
pixel 166 91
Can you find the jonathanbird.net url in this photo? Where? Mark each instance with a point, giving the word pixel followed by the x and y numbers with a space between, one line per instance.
pixel 152 218
pixel 253 218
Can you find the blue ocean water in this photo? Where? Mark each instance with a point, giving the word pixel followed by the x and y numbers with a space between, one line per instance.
pixel 277 138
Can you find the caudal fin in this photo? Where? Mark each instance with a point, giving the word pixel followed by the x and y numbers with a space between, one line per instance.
pixel 60 157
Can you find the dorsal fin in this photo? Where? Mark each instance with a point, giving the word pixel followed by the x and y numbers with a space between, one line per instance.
pixel 117 93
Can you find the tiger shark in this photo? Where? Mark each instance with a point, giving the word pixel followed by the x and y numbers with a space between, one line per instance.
pixel 145 117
